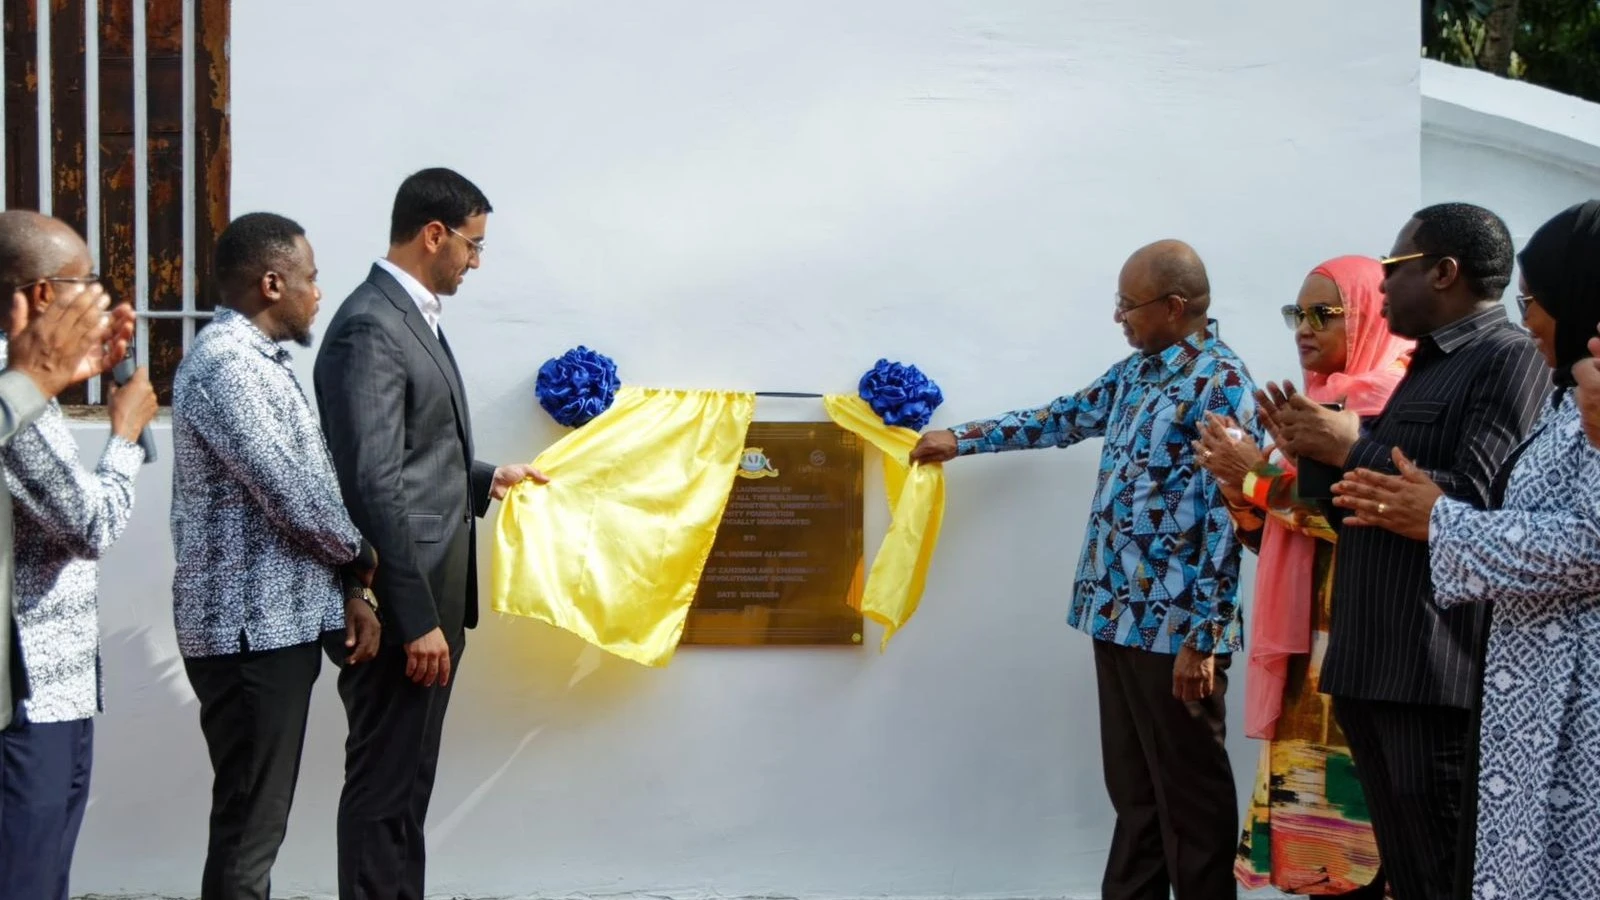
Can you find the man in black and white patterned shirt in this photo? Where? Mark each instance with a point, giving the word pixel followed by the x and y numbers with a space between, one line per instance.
pixel 65 518
pixel 267 558
pixel 69 343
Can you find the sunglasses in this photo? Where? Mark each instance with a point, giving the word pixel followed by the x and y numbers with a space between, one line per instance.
pixel 1523 301
pixel 1317 315
pixel 1390 263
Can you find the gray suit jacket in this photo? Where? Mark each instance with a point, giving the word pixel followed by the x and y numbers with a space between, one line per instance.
pixel 395 416
pixel 20 403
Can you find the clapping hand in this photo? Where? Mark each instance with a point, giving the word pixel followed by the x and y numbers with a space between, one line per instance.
pixel 1303 427
pixel 1587 373
pixel 1400 503
pixel 1228 458
pixel 71 341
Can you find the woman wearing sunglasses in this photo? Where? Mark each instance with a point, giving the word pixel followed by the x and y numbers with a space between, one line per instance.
pixel 1535 554
pixel 1307 831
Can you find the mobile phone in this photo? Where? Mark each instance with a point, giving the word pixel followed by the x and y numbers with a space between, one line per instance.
pixel 120 374
pixel 1317 479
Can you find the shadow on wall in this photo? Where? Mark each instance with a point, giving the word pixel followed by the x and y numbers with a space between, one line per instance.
pixel 151 765
pixel 154 757
pixel 526 676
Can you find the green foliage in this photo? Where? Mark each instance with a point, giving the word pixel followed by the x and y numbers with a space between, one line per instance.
pixel 1556 43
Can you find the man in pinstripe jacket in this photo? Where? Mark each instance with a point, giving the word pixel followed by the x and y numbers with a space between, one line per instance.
pixel 1404 675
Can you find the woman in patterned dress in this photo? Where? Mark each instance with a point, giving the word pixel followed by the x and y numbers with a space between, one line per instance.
pixel 1535 554
pixel 1308 830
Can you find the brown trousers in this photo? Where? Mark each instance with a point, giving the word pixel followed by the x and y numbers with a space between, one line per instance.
pixel 1169 780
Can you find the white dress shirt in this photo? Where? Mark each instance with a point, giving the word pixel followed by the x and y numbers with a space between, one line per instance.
pixel 424 298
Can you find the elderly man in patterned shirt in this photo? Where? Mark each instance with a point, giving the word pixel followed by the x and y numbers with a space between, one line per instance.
pixel 66 518
pixel 1157 586
pixel 72 341
pixel 268 561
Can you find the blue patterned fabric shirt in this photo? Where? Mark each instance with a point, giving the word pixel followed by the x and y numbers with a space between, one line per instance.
pixel 1160 564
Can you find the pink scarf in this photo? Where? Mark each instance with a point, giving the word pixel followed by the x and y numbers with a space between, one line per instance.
pixel 1281 623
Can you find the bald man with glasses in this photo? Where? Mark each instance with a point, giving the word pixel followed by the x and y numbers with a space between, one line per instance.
pixel 67 517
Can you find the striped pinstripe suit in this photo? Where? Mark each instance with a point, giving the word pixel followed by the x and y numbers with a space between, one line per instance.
pixel 1403 673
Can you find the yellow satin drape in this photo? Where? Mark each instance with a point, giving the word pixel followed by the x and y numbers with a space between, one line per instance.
pixel 613 547
pixel 916 504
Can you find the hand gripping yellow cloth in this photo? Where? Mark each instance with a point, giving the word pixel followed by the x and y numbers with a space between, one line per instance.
pixel 916 504
pixel 613 547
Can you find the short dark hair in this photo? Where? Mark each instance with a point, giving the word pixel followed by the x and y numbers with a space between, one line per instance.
pixel 434 195
pixel 1475 237
pixel 250 246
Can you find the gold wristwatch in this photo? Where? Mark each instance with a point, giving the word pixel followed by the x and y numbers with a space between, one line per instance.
pixel 366 596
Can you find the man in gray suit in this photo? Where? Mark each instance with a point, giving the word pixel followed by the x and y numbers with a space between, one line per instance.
pixel 72 341
pixel 395 415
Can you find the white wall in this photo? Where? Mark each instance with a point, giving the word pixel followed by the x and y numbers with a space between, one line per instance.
pixel 771 196
pixel 1523 151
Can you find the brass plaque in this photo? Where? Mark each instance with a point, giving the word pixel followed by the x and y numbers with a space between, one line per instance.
pixel 786 567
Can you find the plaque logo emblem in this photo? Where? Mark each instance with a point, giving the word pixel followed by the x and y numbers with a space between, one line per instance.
pixel 754 464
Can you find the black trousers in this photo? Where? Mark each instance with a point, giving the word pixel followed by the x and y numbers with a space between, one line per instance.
pixel 253 709
pixel 390 759
pixel 1411 759
pixel 44 789
pixel 1169 779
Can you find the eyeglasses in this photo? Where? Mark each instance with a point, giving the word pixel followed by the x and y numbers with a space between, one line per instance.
pixel 1124 306
pixel 91 278
pixel 1390 263
pixel 475 244
pixel 1318 315
pixel 1523 300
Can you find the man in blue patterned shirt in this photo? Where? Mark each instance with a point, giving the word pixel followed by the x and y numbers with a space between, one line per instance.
pixel 1157 585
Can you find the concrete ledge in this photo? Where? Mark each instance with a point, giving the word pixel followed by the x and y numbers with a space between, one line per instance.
pixel 1475 107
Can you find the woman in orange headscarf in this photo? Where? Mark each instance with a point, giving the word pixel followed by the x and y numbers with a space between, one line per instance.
pixel 1308 831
